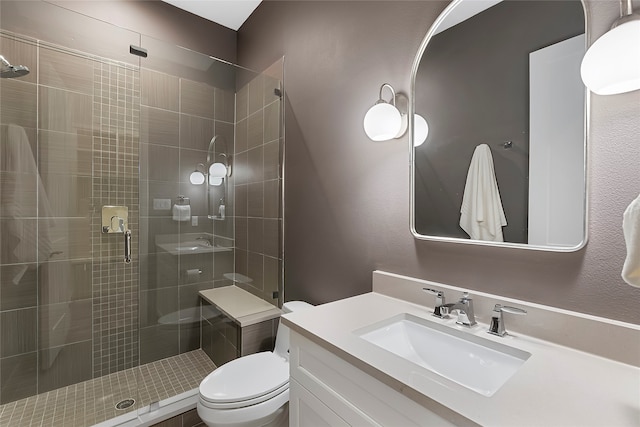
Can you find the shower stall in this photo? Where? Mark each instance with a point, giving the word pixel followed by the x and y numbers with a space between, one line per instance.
pixel 94 117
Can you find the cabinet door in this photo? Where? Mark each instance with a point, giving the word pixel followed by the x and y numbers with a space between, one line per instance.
pixel 306 410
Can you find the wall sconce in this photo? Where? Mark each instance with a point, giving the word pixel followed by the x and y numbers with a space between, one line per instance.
pixel 197 176
pixel 612 63
pixel 384 121
pixel 216 173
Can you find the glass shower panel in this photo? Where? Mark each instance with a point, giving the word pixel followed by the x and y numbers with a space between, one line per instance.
pixel 69 145
pixel 187 110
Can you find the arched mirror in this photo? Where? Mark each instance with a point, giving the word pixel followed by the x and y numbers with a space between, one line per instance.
pixel 504 162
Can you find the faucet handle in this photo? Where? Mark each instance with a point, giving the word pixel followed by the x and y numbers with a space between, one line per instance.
pixel 497 321
pixel 439 309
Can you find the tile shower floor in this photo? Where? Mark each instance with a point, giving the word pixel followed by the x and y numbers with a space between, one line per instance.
pixel 93 401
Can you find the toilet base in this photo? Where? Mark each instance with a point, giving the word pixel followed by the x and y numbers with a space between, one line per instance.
pixel 245 417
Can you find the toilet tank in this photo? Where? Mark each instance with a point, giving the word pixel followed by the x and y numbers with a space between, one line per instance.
pixel 282 336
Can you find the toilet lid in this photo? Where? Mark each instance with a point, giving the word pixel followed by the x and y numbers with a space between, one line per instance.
pixel 245 378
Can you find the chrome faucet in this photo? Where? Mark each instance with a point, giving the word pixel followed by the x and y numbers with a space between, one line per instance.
pixel 440 310
pixel 207 241
pixel 464 307
pixel 497 321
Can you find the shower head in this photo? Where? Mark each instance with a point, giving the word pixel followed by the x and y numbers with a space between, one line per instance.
pixel 8 71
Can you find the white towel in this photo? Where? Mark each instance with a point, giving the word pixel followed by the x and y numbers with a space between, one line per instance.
pixel 181 212
pixel 481 213
pixel 631 229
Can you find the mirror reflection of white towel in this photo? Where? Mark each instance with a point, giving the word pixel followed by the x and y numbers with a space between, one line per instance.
pixel 181 212
pixel 29 243
pixel 631 229
pixel 481 213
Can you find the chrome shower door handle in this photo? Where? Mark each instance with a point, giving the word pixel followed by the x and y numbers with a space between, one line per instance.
pixel 127 246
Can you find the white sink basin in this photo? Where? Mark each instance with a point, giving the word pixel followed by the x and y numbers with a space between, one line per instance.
pixel 471 361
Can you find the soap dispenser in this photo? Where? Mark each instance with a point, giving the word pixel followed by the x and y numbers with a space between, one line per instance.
pixel 221 209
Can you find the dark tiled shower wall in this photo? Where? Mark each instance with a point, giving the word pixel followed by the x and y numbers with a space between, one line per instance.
pixel 258 183
pixel 68 304
pixel 179 118
pixel 116 146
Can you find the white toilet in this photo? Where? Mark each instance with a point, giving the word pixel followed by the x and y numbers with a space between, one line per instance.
pixel 253 390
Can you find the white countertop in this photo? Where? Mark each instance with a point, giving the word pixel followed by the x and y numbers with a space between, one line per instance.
pixel 241 306
pixel 556 386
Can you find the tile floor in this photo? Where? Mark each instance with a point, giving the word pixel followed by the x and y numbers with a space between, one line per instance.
pixel 93 401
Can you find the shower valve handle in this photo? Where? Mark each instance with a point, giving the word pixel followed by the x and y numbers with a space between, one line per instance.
pixel 127 247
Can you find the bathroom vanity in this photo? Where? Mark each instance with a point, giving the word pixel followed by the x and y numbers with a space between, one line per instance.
pixel 573 369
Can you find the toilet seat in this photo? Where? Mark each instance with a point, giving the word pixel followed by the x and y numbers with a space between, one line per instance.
pixel 245 381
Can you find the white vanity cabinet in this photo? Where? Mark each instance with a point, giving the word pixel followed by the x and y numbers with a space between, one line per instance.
pixel 327 390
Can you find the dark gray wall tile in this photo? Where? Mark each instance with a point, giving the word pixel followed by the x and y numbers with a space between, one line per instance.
pixel 64 153
pixel 272 199
pixel 255 235
pixel 242 103
pixel 163 163
pixel 271 237
pixel 19 377
pixel 241 136
pixel 272 122
pixel 197 99
pixel 255 131
pixel 64 323
pixel 65 195
pixel 64 238
pixel 64 111
pixel 256 94
pixel 241 200
pixel 19 103
pixel 64 281
pixel 272 160
pixel 158 126
pixel 67 71
pixel 18 194
pixel 255 161
pixel 271 275
pixel 196 132
pixel 159 90
pixel 19 241
pixel 225 105
pixel 19 286
pixel 255 199
pixel 241 233
pixel 158 342
pixel 255 267
pixel 157 303
pixel 18 331
pixel 71 364
pixel 242 262
pixel 223 263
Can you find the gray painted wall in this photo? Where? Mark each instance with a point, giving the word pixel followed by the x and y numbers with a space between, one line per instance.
pixel 347 198
pixel 473 86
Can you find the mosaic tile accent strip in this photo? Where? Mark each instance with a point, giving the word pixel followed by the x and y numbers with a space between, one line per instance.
pixel 116 151
pixel 91 402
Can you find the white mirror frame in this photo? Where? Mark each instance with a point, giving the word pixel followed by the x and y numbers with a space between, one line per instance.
pixel 412 171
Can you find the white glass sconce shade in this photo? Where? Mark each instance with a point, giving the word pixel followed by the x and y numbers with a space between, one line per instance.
pixel 196 178
pixel 612 63
pixel 217 170
pixel 213 180
pixel 420 130
pixel 382 122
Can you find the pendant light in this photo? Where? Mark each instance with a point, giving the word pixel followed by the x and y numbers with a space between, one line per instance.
pixel 612 63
